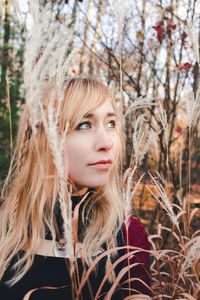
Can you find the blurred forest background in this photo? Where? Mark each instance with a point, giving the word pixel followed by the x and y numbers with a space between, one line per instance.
pixel 147 52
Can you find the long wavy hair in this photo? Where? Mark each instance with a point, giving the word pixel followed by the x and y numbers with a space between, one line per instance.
pixel 28 208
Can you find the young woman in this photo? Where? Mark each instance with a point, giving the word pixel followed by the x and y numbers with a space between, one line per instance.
pixel 34 254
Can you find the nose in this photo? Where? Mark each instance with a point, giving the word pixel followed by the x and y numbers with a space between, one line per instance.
pixel 104 141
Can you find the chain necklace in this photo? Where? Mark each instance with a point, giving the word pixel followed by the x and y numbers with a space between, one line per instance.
pixel 60 250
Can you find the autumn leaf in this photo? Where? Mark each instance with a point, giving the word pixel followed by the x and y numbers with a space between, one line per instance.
pixel 159 29
pixel 185 67
pixel 170 28
pixel 139 35
pixel 184 35
pixel 178 129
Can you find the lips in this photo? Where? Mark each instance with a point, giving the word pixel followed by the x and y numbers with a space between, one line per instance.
pixel 102 164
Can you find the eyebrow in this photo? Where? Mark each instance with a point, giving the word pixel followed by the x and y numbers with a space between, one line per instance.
pixel 89 116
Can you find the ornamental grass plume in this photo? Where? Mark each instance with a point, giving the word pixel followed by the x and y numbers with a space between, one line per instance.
pixel 193 102
pixel 47 59
pixel 193 36
pixel 193 108
pixel 45 56
pixel 129 193
pixel 192 249
pixel 142 138
pixel 140 102
pixel 175 272
pixel 138 137
pixel 154 140
pixel 164 201
pixel 163 119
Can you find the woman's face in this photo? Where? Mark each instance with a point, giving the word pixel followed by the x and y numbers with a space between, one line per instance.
pixel 91 148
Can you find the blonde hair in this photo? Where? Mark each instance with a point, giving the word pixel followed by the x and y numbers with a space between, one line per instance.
pixel 28 210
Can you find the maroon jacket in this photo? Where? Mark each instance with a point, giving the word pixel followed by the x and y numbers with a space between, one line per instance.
pixel 137 237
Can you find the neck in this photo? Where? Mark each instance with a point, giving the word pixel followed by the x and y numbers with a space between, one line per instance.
pixel 79 192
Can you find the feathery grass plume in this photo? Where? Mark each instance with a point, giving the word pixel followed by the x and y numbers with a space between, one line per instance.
pixel 164 201
pixel 154 141
pixel 141 139
pixel 193 103
pixel 193 108
pixel 46 58
pixel 163 119
pixel 9 111
pixel 192 249
pixel 63 65
pixel 127 193
pixel 138 137
pixel 17 12
pixel 56 144
pixel 35 10
pixel 193 36
pixel 47 42
pixel 12 155
pixel 193 114
pixel 140 102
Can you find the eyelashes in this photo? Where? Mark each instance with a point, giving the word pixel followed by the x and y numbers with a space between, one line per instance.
pixel 112 124
pixel 84 125
pixel 87 125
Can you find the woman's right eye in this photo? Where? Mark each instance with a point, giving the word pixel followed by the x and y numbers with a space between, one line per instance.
pixel 84 126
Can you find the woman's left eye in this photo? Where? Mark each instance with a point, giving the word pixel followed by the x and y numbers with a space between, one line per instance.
pixel 111 124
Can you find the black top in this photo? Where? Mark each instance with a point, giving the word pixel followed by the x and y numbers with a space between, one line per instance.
pixel 51 272
pixel 49 279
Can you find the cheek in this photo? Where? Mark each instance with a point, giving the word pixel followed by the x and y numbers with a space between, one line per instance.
pixel 75 153
pixel 69 154
pixel 116 147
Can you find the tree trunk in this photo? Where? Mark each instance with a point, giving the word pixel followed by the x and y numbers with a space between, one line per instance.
pixel 5 52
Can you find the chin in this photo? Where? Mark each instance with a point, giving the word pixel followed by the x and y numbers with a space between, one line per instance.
pixel 92 182
pixel 96 184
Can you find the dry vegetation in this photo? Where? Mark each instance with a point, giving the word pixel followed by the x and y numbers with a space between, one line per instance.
pixel 161 128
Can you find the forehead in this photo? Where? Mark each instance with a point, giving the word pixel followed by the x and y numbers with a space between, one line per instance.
pixel 103 109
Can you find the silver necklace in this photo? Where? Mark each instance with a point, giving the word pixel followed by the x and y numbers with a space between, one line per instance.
pixel 60 250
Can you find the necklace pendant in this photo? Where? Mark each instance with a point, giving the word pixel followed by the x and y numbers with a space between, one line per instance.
pixel 60 250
